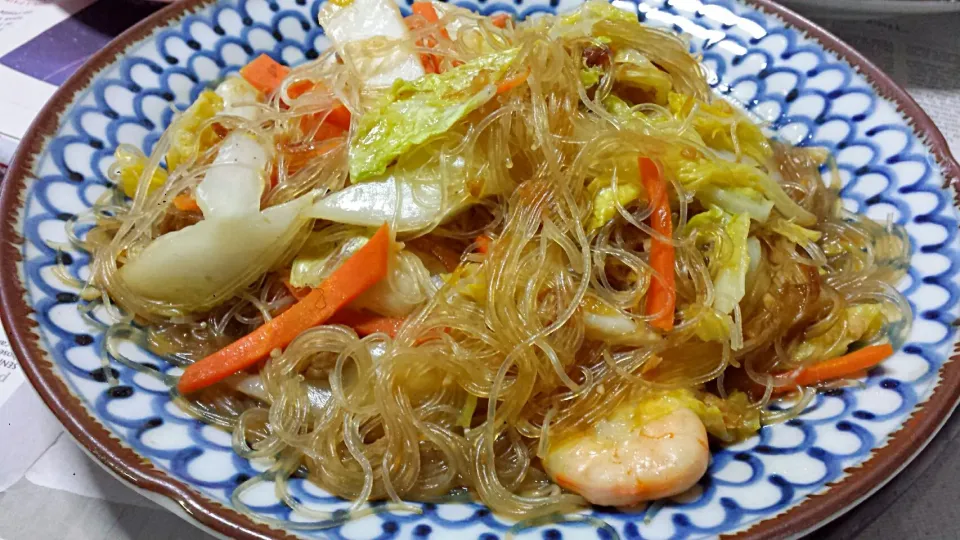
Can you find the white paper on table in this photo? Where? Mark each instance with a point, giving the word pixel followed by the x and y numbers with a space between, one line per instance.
pixel 27 429
pixel 22 96
pixel 23 20
pixel 11 376
pixel 66 467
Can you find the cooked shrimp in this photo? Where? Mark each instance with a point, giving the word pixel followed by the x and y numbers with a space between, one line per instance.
pixel 618 463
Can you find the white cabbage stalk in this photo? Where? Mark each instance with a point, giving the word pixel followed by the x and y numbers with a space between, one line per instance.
pixel 204 264
pixel 320 256
pixel 418 204
pixel 401 291
pixel 239 98
pixel 252 385
pixel 603 322
pixel 463 21
pixel 353 29
pixel 235 182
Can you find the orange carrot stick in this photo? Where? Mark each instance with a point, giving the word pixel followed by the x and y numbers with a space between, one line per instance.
pixel 849 366
pixel 431 62
pixel 512 82
pixel 297 292
pixel 427 60
pixel 321 131
pixel 845 365
pixel 332 123
pixel 662 294
pixel 186 203
pixel 366 323
pixel 357 274
pixel 483 244
pixel 339 116
pixel 299 157
pixel 500 20
pixel 428 12
pixel 264 73
pixel 299 88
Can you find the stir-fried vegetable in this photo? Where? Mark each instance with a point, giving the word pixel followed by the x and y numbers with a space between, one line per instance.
pixel 844 366
pixel 357 274
pixel 635 70
pixel 239 97
pixel 606 197
pixel 701 173
pixel 858 322
pixel 602 322
pixel 726 239
pixel 794 232
pixel 409 203
pixel 235 181
pixel 366 323
pixel 737 200
pixel 197 265
pixel 264 73
pixel 414 112
pixel 128 168
pixel 723 127
pixel 319 257
pixel 190 134
pixel 662 295
pixel 355 28
pixel 453 237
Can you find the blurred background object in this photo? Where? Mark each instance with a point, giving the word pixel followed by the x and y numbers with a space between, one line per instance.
pixel 871 8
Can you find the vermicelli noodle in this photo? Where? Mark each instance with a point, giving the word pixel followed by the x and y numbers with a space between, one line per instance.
pixel 524 297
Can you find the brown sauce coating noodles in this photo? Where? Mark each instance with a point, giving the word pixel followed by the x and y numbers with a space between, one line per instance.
pixel 501 360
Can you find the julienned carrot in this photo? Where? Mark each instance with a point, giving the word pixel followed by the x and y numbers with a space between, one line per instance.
pixel 366 323
pixel 357 274
pixel 332 123
pixel 299 88
pixel 264 73
pixel 186 203
pixel 845 365
pixel 483 244
pixel 297 292
pixel 321 131
pixel 849 366
pixel 428 12
pixel 662 293
pixel 431 62
pixel 299 157
pixel 512 82
pixel 338 115
pixel 500 20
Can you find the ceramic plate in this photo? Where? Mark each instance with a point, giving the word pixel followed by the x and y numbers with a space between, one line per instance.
pixel 789 479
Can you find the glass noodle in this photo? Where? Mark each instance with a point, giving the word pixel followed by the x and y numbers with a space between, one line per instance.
pixel 497 362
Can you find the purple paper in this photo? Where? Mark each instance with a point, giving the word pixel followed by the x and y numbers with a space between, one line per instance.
pixel 56 53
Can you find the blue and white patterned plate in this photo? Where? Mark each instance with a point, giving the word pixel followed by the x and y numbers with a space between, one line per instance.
pixel 789 479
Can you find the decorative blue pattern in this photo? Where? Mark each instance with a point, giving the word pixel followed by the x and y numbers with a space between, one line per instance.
pixel 805 93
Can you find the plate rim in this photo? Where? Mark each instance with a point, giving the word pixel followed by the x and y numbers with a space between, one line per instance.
pixel 809 514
